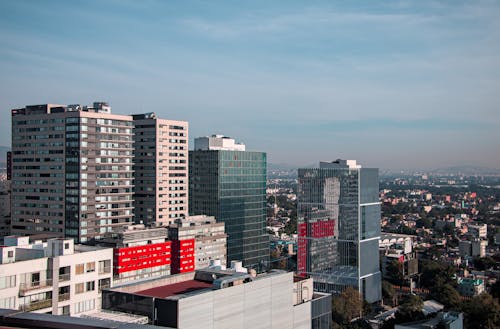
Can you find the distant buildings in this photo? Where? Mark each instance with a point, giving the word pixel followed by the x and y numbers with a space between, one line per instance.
pixel 473 248
pixel 477 230
pixel 56 276
pixel 229 183
pixel 339 227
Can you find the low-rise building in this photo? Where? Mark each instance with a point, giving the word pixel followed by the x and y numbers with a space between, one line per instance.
pixel 470 287
pixel 218 298
pixel 139 252
pixel 196 241
pixel 55 277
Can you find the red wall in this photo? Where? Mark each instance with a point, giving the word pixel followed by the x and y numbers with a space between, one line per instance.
pixel 318 229
pixel 182 256
pixel 137 258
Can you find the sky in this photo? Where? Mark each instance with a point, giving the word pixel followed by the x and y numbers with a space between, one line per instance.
pixel 393 84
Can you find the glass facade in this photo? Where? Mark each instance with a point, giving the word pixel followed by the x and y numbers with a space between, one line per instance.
pixel 339 229
pixel 231 185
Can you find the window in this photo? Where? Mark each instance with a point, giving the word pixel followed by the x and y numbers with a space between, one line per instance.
pixel 66 245
pixel 8 302
pixel 7 281
pixel 90 267
pixel 10 253
pixel 85 306
pixel 79 288
pixel 79 268
pixel 90 286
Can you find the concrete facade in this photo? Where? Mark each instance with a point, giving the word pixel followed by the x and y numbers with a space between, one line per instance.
pixel 56 276
pixel 209 235
pixel 71 170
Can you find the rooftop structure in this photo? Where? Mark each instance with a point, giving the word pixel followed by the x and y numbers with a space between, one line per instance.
pixel 217 142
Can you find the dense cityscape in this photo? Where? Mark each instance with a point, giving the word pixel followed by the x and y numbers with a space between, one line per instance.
pixel 259 165
pixel 104 214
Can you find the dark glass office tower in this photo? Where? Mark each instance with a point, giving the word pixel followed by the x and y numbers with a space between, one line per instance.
pixel 339 227
pixel 229 183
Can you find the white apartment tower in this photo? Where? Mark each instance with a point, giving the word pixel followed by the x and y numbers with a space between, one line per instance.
pixel 161 169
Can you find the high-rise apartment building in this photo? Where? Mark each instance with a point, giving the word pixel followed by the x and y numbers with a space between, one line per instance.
pixel 72 170
pixel 161 169
pixel 229 183
pixel 339 227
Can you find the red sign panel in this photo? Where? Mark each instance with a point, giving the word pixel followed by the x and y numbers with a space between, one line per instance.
pixel 140 257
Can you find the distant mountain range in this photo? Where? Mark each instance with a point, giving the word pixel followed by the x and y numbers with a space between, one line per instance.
pixel 466 170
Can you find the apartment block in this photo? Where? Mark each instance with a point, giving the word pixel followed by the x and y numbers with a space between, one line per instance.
pixel 161 169
pixel 72 170
pixel 56 276
pixel 209 238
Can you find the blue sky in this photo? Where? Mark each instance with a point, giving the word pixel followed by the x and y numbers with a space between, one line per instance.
pixel 394 84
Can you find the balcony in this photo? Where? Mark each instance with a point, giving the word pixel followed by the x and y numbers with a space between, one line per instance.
pixel 37 285
pixel 63 297
pixel 64 277
pixel 104 270
pixel 38 305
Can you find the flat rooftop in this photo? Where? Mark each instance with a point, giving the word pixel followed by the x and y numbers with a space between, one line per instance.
pixel 178 288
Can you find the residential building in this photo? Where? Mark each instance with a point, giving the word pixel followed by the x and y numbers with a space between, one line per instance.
pixel 225 298
pixel 161 169
pixel 228 182
pixel 208 235
pixel 71 170
pixel 339 228
pixel 55 277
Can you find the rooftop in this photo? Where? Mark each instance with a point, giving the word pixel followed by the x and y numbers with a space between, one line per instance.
pixel 179 288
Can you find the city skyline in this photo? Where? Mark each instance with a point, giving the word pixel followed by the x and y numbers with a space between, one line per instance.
pixel 394 85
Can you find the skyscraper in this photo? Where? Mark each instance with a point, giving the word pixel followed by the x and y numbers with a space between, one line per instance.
pixel 229 183
pixel 339 227
pixel 161 169
pixel 71 170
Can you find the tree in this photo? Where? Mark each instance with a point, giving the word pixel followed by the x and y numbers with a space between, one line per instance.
pixel 347 306
pixel 435 274
pixel 388 290
pixel 410 309
pixel 447 295
pixel 395 271
pixel 482 312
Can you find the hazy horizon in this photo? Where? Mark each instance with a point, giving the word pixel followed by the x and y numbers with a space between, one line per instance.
pixel 395 84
